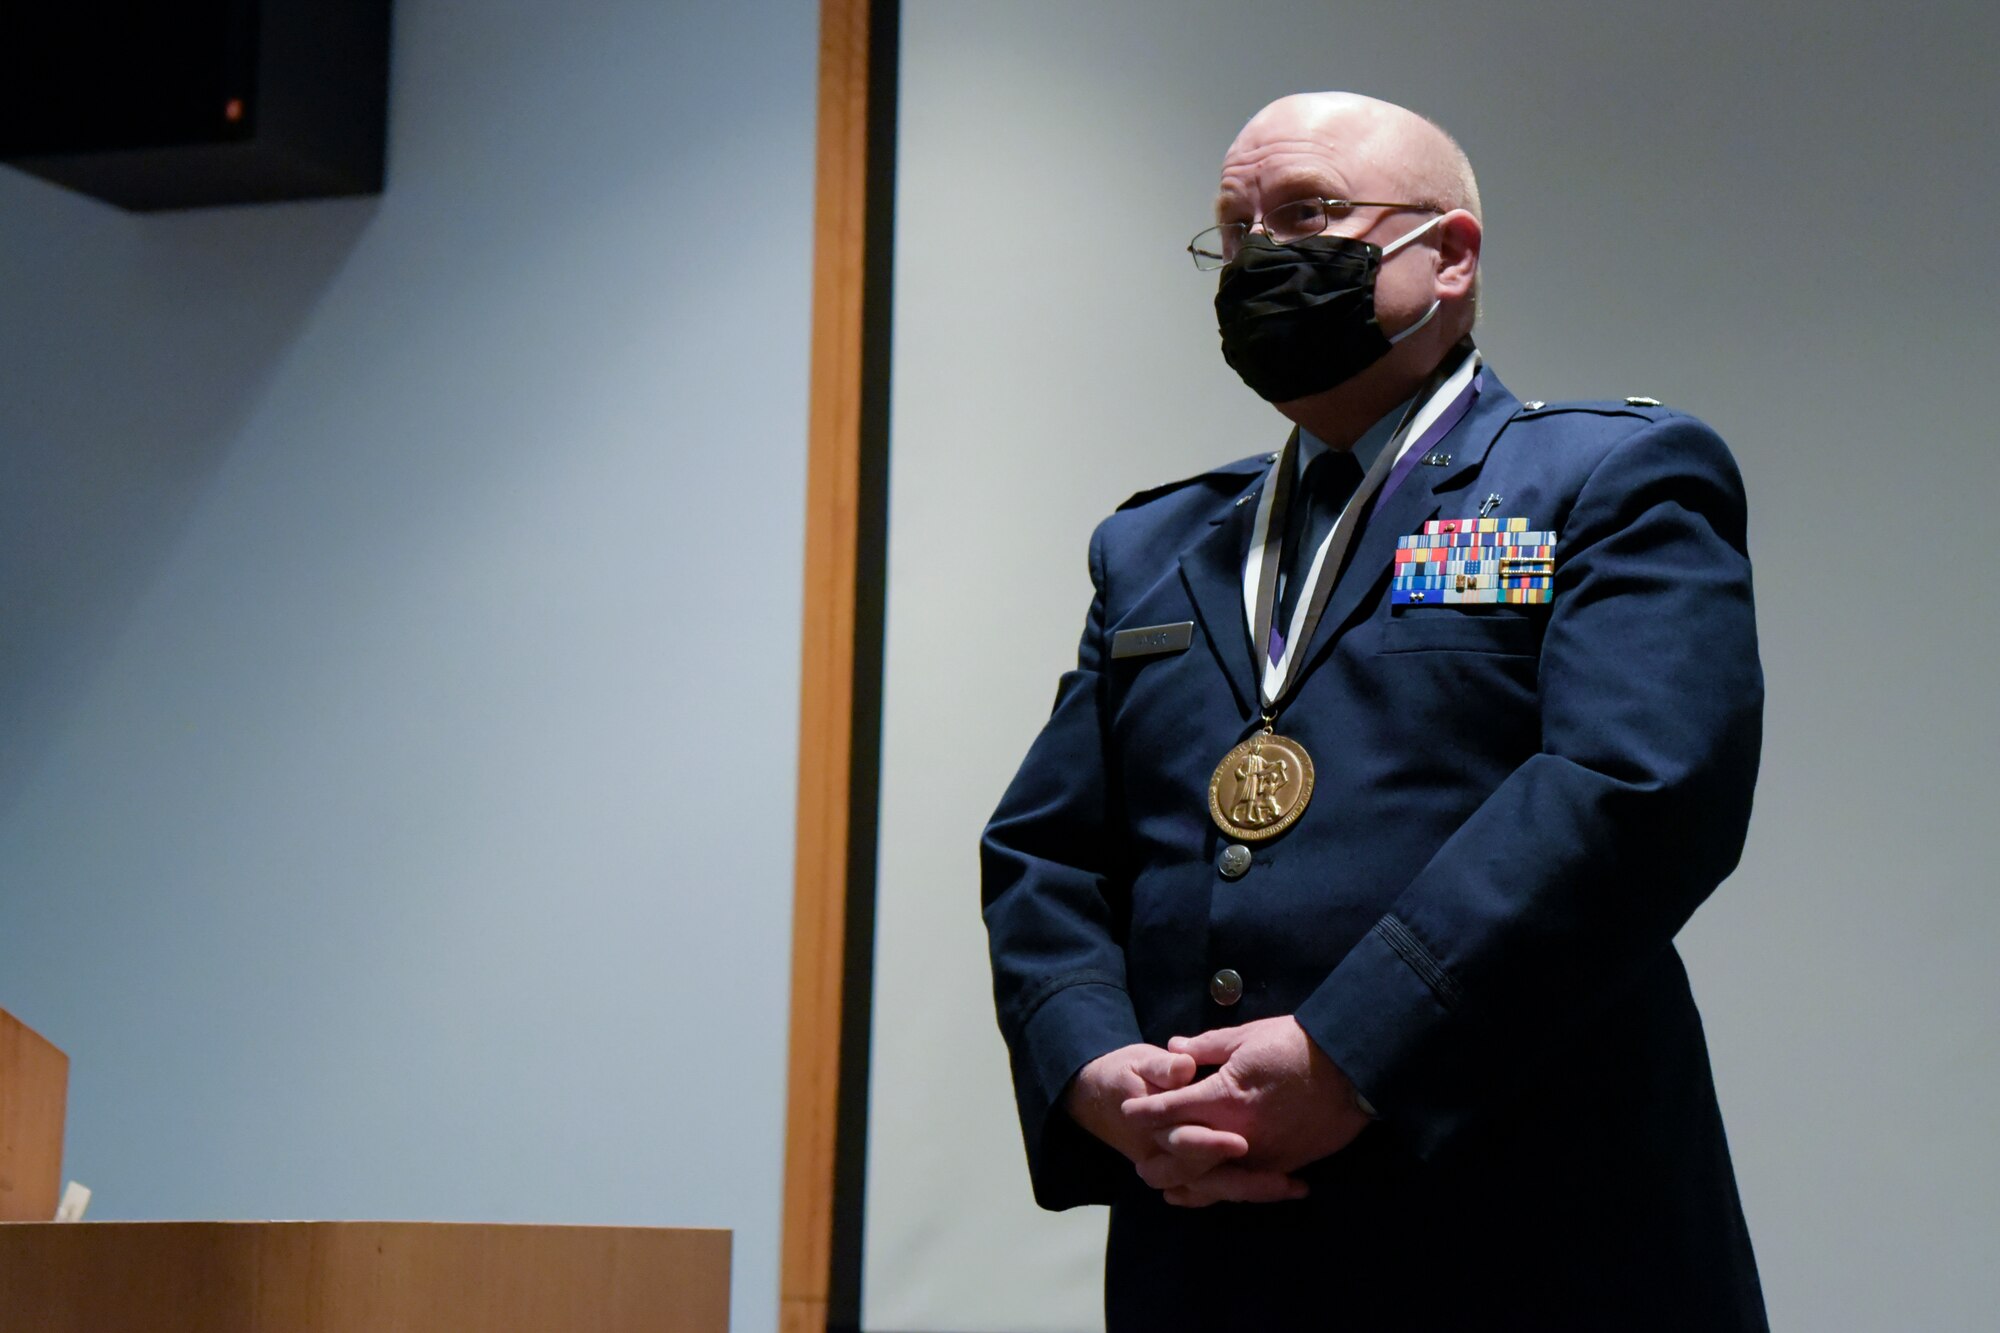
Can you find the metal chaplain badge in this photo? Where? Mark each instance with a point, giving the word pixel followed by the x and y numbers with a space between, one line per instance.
pixel 1261 787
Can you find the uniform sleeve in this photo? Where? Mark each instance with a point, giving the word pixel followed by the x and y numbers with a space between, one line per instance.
pixel 1055 926
pixel 1589 857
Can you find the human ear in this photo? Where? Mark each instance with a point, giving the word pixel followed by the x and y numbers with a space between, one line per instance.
pixel 1459 236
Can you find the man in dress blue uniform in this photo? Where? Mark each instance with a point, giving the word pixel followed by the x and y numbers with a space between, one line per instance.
pixel 1331 913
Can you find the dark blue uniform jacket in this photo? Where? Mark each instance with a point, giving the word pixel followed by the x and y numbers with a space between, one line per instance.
pixel 1516 808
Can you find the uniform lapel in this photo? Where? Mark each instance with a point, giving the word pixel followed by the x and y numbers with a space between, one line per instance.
pixel 1413 504
pixel 1212 568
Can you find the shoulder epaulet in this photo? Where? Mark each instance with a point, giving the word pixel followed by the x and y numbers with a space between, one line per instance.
pixel 1229 474
pixel 1635 406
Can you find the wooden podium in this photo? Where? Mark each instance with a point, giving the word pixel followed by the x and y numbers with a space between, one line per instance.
pixel 34 1082
pixel 360 1277
pixel 316 1277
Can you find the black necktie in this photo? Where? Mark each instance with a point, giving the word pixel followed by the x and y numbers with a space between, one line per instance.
pixel 1323 492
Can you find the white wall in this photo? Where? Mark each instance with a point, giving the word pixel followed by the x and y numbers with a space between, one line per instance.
pixel 1776 217
pixel 398 645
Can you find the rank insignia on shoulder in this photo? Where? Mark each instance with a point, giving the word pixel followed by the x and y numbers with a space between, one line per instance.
pixel 1474 561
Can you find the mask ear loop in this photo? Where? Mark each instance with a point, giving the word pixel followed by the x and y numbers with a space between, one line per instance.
pixel 1391 249
pixel 1403 240
pixel 1422 320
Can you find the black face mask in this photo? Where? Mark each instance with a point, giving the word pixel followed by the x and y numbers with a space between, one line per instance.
pixel 1299 319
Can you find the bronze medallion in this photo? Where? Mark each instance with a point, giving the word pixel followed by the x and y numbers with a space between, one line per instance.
pixel 1261 787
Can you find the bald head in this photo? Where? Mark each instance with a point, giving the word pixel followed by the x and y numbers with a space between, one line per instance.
pixel 1377 141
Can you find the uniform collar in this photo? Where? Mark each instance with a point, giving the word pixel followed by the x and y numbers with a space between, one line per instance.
pixel 1366 449
pixel 1376 438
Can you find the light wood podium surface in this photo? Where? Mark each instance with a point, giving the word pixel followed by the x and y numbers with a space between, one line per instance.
pixel 360 1277
pixel 34 1084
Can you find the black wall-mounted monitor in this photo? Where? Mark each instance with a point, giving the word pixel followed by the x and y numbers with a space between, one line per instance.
pixel 197 102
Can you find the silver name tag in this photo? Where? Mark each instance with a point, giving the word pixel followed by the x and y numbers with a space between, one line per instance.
pixel 1150 639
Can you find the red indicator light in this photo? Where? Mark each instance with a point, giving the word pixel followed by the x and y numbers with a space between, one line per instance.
pixel 232 110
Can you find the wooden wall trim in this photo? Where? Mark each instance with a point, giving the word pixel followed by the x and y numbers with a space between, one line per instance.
pixel 833 705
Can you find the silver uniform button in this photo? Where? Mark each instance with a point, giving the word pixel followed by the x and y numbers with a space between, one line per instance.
pixel 1226 987
pixel 1234 863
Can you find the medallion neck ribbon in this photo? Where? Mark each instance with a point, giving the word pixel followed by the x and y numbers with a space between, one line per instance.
pixel 1430 416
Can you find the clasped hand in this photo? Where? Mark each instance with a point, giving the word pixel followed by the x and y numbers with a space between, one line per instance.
pixel 1275 1104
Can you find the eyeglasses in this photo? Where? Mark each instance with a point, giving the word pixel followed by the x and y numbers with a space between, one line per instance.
pixel 1297 221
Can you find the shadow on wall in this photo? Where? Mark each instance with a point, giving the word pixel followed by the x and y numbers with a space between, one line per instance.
pixel 133 349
